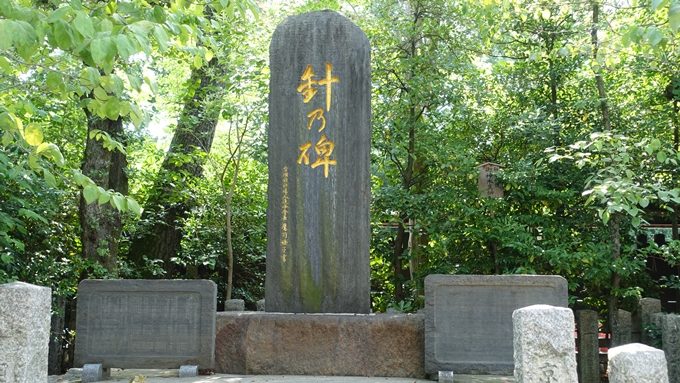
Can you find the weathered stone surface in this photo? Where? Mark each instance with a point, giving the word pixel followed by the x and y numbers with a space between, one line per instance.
pixel 588 357
pixel 259 305
pixel 146 323
pixel 544 344
pixel 468 318
pixel 188 371
pixel 319 186
pixel 643 318
pixel 94 373
pixel 445 377
pixel 621 334
pixel 24 332
pixel 234 305
pixel 636 363
pixel 319 344
pixel 670 338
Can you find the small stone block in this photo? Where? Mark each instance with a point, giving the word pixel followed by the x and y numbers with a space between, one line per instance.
pixel 188 371
pixel 544 344
pixel 24 332
pixel 234 305
pixel 260 305
pixel 93 373
pixel 637 363
pixel 445 377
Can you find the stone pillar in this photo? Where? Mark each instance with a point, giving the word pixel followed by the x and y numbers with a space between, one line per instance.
pixel 319 140
pixel 636 363
pixel 670 338
pixel 622 333
pixel 24 332
pixel 643 318
pixel 544 347
pixel 588 357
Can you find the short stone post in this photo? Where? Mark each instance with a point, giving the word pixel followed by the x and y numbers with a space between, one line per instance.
pixel 24 332
pixel 636 363
pixel 621 334
pixel 544 344
pixel 234 305
pixel 588 357
pixel 670 338
pixel 260 305
pixel 642 318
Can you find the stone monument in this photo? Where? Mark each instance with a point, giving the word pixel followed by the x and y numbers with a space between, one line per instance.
pixel 636 363
pixel 24 332
pixel 468 318
pixel 319 186
pixel 138 323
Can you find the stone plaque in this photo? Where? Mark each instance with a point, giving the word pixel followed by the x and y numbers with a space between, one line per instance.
pixel 319 185
pixel 24 332
pixel 468 318
pixel 146 323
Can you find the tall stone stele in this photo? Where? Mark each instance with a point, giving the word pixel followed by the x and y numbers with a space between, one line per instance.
pixel 319 186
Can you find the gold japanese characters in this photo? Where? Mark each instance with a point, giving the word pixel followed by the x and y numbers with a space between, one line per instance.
pixel 324 147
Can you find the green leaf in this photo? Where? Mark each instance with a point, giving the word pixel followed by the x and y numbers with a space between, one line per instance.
pixel 112 109
pixel 134 207
pixel 674 16
pixel 161 37
pixel 49 178
pixel 89 77
pixel 661 156
pixel 63 34
pixel 104 198
pixel 644 202
pixel 33 134
pixel 6 33
pixel 100 94
pixel 103 51
pixel 136 115
pixel 118 201
pixel 656 4
pixel 52 152
pixel 635 221
pixel 124 46
pixel 30 214
pixel 55 82
pixel 90 193
pixel 83 24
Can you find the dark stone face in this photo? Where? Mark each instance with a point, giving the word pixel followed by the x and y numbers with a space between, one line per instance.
pixel 146 323
pixel 319 191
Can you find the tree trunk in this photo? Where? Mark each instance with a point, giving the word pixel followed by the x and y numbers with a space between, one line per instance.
pixel 101 224
pixel 169 201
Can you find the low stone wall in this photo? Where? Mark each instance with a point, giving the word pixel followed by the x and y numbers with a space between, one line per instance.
pixel 320 344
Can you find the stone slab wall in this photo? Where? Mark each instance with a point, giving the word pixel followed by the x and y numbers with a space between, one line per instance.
pixel 320 344
pixel 468 318
pixel 24 332
pixel 146 323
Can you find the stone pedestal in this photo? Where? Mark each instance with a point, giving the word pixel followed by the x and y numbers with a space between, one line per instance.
pixel 544 344
pixel 24 332
pixel 637 363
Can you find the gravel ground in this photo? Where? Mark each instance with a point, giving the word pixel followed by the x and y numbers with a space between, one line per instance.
pixel 170 376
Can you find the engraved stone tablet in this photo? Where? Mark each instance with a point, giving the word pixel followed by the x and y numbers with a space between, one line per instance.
pixel 319 186
pixel 468 318
pixel 146 323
